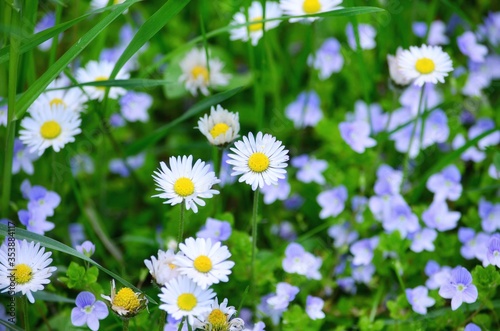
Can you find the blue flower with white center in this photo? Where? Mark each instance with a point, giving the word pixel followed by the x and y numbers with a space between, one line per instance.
pixel 459 288
pixel 88 311
pixel 419 299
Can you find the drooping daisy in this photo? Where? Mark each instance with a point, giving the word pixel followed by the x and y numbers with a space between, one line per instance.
pixel 71 99
pixel 204 263
pixel 185 182
pixel 220 127
pixel 425 64
pixel 308 7
pixel 100 71
pixel 261 159
pixel 196 74
pixel 219 318
pixel 126 303
pixel 49 127
pixel 163 268
pixel 255 31
pixel 181 297
pixel 31 268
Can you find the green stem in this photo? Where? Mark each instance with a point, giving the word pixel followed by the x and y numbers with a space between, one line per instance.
pixel 414 129
pixel 181 324
pixel 55 40
pixel 163 317
pixel 11 106
pixel 254 240
pixel 125 324
pixel 25 313
pixel 181 223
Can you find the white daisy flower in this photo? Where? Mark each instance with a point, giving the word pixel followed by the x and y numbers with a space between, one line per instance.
pixel 255 31
pixel 308 7
pixel 163 268
pixel 195 74
pixel 71 99
pixel 100 71
pixel 219 318
pixel 394 71
pixel 97 4
pixel 183 182
pixel 49 127
pixel 204 263
pixel 426 64
pixel 221 127
pixel 29 267
pixel 126 303
pixel 181 297
pixel 260 160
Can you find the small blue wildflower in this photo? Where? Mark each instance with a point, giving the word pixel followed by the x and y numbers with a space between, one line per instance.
pixel 310 169
pixel 332 201
pixel 459 288
pixel 314 306
pixel 305 111
pixel 419 299
pixel 216 230
pixel 366 33
pixel 88 311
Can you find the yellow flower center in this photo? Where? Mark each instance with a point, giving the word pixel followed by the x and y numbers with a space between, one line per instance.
pixel 258 162
pixel 23 273
pixel 50 130
pixel 198 71
pixel 172 266
pixel 425 65
pixel 184 187
pixel 203 263
pixel 218 129
pixel 100 79
pixel 256 26
pixel 126 299
pixel 218 320
pixel 57 102
pixel 311 6
pixel 186 301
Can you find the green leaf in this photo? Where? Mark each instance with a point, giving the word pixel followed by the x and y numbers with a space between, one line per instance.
pixel 53 71
pixel 151 27
pixel 161 132
pixel 91 275
pixel 75 271
pixel 127 83
pixel 51 297
pixel 58 246
pixel 10 326
pixel 486 280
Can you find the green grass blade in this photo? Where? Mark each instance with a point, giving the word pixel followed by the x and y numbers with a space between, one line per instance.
pixel 162 132
pixel 151 27
pixel 10 326
pixel 52 72
pixel 58 246
pixel 51 297
pixel 127 83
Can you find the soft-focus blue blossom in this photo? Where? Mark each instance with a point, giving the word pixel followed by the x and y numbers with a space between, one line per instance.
pixel 342 234
pixel 362 250
pixel 281 191
pixel 314 306
pixel 259 326
pixel 173 324
pixel 431 267
pixel 285 293
pixel 3 113
pixel 135 105
pixel 490 30
pixel 332 201
pixel 358 205
pixel 436 35
pixel 490 215
pixel 328 59
pixel 305 111
pixel 112 54
pixel 310 169
pixel 81 164
pixel 471 153
pixel 460 288
pixel 23 158
pixel 446 184
pixel 436 128
pixel 493 253
pixel 88 311
pixel 225 171
pixel 473 245
pixel 363 273
pixel 215 230
pixel 3 317
pixel 86 248
pixel 294 202
pixel 400 218
pixel 357 135
pixel 469 47
pixel 347 284
pixel 419 299
pixel 298 261
pixel 387 189
pixel 493 171
pixel 438 217
pixel 482 125
pixel 439 277
pixel 366 33
pixel 284 230
pixel 267 310
pixel 47 22
pixel 423 240
pixel 116 120
pixel 117 166
pixel 76 234
pixel 481 75
pixel 35 222
pixel 41 201
pixel 410 98
pixel 402 119
pixel 472 327
pixel 364 112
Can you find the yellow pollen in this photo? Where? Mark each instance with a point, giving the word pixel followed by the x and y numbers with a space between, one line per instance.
pixel 218 320
pixel 100 79
pixel 256 26
pixel 425 65
pixel 218 129
pixel 184 187
pixel 126 299
pixel 50 130
pixel 23 273
pixel 203 263
pixel 198 71
pixel 172 266
pixel 186 301
pixel 57 102
pixel 258 162
pixel 311 6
